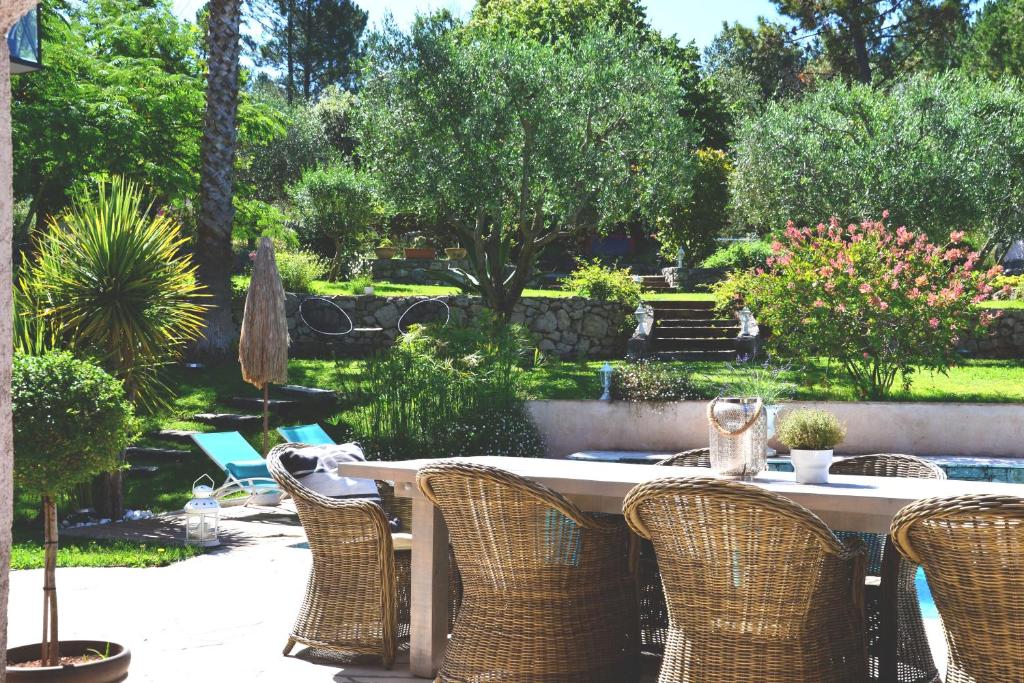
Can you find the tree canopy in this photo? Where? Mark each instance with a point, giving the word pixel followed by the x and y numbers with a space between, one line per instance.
pixel 515 143
pixel 941 153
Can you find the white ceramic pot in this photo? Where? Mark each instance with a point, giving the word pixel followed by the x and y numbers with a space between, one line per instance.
pixel 811 467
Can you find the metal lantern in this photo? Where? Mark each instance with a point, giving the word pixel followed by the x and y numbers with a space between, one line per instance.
pixel 606 381
pixel 737 437
pixel 202 515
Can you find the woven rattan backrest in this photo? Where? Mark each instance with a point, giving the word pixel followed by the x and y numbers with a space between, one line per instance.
pixel 888 465
pixel 505 530
pixel 695 457
pixel 720 544
pixel 972 550
pixel 884 465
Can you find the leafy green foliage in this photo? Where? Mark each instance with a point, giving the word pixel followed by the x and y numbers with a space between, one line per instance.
pixel 879 302
pixel 550 20
pixel 71 422
pixel 514 143
pixel 739 255
pixel 939 152
pixel 298 269
pixel 594 281
pixel 765 381
pixel 450 391
pixel 112 280
pixel 810 429
pixel 695 225
pixel 996 45
pixel 654 381
pixel 336 204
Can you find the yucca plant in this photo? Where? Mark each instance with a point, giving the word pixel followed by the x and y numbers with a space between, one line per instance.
pixel 112 278
pixel 112 282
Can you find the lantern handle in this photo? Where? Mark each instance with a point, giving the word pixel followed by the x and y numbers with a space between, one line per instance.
pixel 213 484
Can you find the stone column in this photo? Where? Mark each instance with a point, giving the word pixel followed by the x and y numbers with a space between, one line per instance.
pixel 10 12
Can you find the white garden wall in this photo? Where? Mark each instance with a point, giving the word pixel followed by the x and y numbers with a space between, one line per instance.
pixel 966 429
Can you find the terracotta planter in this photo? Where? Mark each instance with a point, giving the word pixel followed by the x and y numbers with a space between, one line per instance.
pixel 113 669
pixel 420 253
pixel 811 467
pixel 455 253
pixel 386 252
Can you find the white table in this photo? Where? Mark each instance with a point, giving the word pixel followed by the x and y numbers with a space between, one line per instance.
pixel 847 502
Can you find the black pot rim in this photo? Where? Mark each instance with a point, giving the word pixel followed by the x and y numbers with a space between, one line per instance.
pixel 72 647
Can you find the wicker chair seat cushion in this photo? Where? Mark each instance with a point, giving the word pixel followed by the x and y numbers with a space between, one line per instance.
pixel 401 541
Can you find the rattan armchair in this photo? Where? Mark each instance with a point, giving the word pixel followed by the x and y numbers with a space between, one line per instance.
pixel 758 588
pixel 972 551
pixel 547 594
pixel 352 595
pixel 651 597
pixel 897 642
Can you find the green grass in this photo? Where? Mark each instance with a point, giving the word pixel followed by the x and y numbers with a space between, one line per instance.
pixel 974 381
pixel 1002 303
pixel 326 288
pixel 81 553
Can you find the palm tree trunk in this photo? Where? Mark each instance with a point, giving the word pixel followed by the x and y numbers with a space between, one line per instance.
pixel 217 158
pixel 10 12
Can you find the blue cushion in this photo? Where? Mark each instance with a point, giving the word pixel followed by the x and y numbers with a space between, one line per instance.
pixel 248 469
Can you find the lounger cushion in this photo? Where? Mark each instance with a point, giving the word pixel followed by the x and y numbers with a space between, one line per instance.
pixel 248 469
pixel 401 541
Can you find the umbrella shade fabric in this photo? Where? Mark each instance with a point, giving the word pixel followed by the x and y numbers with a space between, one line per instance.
pixel 263 346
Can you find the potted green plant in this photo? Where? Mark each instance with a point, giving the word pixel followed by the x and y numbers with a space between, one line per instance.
pixel 811 435
pixel 386 249
pixel 455 253
pixel 420 249
pixel 71 421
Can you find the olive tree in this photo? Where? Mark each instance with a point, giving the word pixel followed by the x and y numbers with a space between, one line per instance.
pixel 939 153
pixel 514 143
pixel 71 422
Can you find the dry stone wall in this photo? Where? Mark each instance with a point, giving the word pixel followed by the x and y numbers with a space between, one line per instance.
pixel 1004 338
pixel 568 328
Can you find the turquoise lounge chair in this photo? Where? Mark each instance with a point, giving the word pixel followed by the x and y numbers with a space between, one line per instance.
pixel 245 468
pixel 313 435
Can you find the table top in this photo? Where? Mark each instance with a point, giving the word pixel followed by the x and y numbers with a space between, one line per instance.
pixel 847 502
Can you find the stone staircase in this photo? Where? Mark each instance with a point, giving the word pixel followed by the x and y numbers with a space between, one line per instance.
pixel 691 331
pixel 655 283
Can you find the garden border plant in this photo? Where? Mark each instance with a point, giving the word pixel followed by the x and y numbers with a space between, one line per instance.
pixel 879 302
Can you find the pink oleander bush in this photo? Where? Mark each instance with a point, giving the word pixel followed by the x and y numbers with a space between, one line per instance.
pixel 877 301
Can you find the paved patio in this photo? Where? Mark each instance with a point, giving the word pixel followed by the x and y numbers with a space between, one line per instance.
pixel 225 614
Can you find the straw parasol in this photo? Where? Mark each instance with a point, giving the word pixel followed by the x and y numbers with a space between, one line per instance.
pixel 263 346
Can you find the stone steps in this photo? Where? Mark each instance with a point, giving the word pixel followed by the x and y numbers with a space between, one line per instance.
pixel 276 406
pixel 709 331
pixel 174 435
pixel 311 395
pixel 692 331
pixel 229 422
pixel 693 344
pixel 692 356
pixel 156 453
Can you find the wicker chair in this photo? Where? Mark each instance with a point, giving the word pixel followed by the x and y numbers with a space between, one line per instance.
pixel 351 600
pixel 758 588
pixel 651 597
pixel 972 550
pixel 695 457
pixel 547 592
pixel 892 577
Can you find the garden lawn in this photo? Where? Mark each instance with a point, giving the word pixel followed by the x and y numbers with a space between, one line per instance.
pixel 80 553
pixel 325 288
pixel 981 381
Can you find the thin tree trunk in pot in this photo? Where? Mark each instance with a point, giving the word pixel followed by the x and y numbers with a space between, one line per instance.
pixel 10 12
pixel 50 643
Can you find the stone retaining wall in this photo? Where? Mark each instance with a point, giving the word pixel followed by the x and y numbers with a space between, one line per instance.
pixel 414 271
pixel 567 328
pixel 1003 339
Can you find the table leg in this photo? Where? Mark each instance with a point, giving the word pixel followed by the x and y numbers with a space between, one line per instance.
pixel 429 609
pixel 889 614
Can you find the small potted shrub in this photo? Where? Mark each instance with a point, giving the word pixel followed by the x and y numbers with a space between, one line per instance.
pixel 455 253
pixel 386 249
pixel 71 422
pixel 811 435
pixel 420 250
